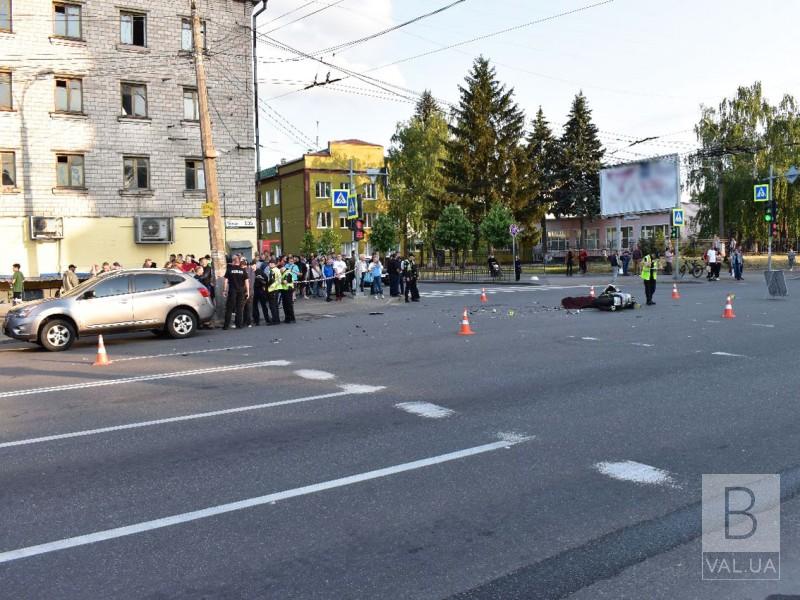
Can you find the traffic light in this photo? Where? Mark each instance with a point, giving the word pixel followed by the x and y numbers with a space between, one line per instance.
pixel 358 230
pixel 676 233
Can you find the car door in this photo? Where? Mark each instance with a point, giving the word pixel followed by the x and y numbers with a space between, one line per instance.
pixel 153 297
pixel 107 305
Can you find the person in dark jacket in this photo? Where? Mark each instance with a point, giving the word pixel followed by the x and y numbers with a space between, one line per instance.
pixel 570 262
pixel 410 276
pixel 393 266
pixel 517 268
pixel 260 295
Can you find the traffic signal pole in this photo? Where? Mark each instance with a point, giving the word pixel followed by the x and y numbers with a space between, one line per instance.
pixel 771 225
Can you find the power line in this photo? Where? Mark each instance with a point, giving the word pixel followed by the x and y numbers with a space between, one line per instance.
pixel 319 10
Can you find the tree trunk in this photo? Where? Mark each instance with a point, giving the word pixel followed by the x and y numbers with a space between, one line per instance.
pixel 544 237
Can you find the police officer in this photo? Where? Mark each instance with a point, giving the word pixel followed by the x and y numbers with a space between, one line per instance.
pixel 236 289
pixel 287 294
pixel 274 290
pixel 649 269
pixel 410 275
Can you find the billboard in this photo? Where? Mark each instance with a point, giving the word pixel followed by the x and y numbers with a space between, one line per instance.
pixel 640 187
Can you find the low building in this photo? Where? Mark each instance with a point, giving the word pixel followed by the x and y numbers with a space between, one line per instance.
pixel 297 196
pixel 99 132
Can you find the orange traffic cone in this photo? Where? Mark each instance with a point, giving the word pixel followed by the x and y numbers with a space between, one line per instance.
pixel 591 292
pixel 728 312
pixel 675 294
pixel 484 299
pixel 102 357
pixel 465 329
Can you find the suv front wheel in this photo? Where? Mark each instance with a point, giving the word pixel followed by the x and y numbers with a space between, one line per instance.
pixel 181 323
pixel 57 335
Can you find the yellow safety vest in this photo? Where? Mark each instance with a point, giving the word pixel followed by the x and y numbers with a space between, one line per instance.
pixel 277 283
pixel 649 263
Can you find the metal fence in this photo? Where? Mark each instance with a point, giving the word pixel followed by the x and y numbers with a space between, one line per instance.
pixel 466 274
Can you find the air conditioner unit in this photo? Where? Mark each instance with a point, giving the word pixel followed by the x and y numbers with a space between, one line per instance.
pixel 153 230
pixel 46 228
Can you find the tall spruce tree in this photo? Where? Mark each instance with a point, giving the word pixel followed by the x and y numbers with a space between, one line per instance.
pixel 579 168
pixel 543 156
pixel 483 165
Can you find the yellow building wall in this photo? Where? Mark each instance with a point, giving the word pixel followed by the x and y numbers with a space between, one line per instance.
pixel 89 241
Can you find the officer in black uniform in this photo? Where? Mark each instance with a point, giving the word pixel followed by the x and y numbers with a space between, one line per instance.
pixel 410 276
pixel 236 289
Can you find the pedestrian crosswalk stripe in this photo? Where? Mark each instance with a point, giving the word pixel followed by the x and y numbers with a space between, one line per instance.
pixel 510 289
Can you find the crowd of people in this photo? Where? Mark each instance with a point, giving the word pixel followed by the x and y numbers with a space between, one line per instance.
pixel 254 291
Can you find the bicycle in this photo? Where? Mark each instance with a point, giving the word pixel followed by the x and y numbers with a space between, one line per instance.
pixel 695 267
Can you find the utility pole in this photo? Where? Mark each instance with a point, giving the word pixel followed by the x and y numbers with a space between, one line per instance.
pixel 215 224
pixel 721 196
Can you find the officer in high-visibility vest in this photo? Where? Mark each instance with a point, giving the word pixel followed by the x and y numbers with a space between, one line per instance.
pixel 274 290
pixel 287 293
pixel 649 271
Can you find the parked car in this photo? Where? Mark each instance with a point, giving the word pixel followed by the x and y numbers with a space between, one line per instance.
pixel 159 300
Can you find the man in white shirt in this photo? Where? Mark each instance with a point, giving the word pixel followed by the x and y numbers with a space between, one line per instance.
pixel 713 265
pixel 339 270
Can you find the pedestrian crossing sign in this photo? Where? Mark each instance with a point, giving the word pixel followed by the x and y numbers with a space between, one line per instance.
pixel 340 198
pixel 352 207
pixel 761 192
pixel 677 217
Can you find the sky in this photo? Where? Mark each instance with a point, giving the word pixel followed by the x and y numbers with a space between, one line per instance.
pixel 645 67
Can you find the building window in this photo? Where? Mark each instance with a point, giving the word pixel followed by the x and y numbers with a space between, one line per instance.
pixel 191 105
pixel 277 195
pixel 267 198
pixel 277 224
pixel 195 175
pixel 323 189
pixel 267 225
pixel 611 237
pixel 651 231
pixel 5 15
pixel 187 41
pixel 627 237
pixel 136 173
pixel 342 219
pixel 69 171
pixel 67 20
pixel 6 100
pixel 69 95
pixel 8 167
pixel 557 240
pixel 369 219
pixel 345 185
pixel 323 220
pixel 134 100
pixel 370 191
pixel 591 239
pixel 133 29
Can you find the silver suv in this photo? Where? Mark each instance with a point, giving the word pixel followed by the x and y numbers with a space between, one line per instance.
pixel 159 300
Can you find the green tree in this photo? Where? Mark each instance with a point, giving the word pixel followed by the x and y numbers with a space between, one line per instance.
pixel 495 225
pixel 543 155
pixel 484 162
pixel 418 148
pixel 383 236
pixel 453 230
pixel 308 245
pixel 328 241
pixel 579 165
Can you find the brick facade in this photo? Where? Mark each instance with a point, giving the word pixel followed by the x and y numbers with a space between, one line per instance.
pixel 36 133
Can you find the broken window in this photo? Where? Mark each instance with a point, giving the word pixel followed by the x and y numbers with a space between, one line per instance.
pixel 69 95
pixel 133 29
pixel 195 175
pixel 136 173
pixel 69 170
pixel 134 100
pixel 9 169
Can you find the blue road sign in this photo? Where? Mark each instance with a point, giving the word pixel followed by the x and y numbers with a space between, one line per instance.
pixel 677 217
pixel 340 198
pixel 761 192
pixel 352 207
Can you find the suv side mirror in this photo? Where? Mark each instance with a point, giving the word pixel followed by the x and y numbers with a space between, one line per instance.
pixel 88 295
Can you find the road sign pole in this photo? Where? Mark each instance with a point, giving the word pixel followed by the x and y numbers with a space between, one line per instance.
pixel 769 247
pixel 677 258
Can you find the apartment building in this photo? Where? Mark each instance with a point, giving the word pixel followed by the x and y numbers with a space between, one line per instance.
pixel 297 196
pixel 99 132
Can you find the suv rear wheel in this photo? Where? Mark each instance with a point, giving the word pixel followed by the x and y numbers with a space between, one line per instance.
pixel 181 323
pixel 57 335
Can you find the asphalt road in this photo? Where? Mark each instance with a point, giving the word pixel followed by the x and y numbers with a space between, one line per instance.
pixel 359 455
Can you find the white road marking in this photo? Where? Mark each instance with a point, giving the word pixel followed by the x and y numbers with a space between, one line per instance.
pixel 642 344
pixel 105 382
pixel 347 390
pixel 590 339
pixel 629 470
pixel 460 292
pixel 761 325
pixel 314 375
pixel 180 353
pixel 118 532
pixel 709 321
pixel 425 409
pixel 728 354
